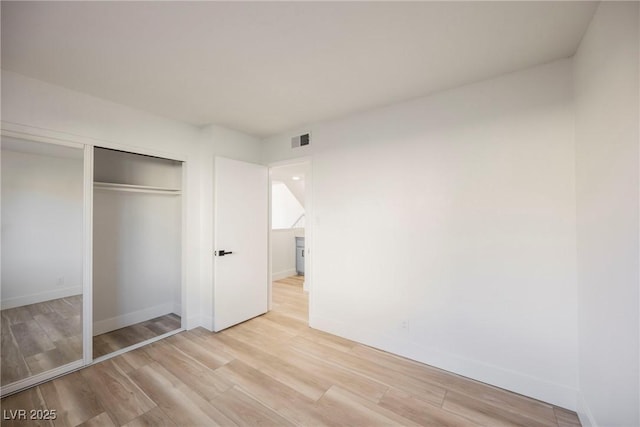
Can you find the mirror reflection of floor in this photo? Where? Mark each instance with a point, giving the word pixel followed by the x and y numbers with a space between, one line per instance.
pixel 39 337
pixel 124 337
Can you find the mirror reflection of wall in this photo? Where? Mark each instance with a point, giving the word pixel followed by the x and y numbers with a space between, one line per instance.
pixel 42 257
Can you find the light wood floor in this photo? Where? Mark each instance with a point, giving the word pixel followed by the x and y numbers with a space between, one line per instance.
pixel 39 337
pixel 134 334
pixel 275 370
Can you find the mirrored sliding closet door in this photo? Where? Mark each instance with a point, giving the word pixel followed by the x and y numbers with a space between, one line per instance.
pixel 42 259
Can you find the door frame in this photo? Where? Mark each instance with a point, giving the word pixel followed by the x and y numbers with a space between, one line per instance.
pixel 309 231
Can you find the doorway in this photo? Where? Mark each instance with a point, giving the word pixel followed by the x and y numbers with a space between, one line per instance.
pixel 290 238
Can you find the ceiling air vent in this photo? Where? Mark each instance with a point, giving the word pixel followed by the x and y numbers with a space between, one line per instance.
pixel 301 140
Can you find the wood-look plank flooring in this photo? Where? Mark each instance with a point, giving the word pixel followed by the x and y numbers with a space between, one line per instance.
pixel 39 337
pixel 124 337
pixel 275 370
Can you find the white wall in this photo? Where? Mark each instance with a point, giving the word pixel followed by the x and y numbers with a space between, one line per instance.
pixel 136 258
pixel 72 115
pixel 42 209
pixel 456 213
pixel 607 149
pixel 286 210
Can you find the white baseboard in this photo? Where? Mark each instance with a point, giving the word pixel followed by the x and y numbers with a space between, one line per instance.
pixel 204 321
pixel 517 382
pixel 584 413
pixel 40 297
pixel 191 322
pixel 124 320
pixel 177 309
pixel 283 274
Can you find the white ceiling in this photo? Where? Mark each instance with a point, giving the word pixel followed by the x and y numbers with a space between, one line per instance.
pixel 265 67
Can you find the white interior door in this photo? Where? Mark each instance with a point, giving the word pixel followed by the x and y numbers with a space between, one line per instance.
pixel 240 227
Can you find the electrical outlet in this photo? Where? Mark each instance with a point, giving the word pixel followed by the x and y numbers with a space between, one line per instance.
pixel 404 324
pixel 60 281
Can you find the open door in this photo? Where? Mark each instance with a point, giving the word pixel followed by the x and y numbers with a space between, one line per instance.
pixel 241 247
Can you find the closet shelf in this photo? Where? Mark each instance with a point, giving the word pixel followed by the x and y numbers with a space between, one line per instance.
pixel 112 186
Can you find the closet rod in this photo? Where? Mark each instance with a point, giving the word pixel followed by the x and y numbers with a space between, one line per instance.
pixel 110 186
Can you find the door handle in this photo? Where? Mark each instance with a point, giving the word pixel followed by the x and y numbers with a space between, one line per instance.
pixel 222 252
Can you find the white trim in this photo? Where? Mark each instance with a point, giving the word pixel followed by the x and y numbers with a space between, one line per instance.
pixel 283 274
pixel 44 135
pixel 40 378
pixel 40 297
pixel 177 309
pixel 528 385
pixel 184 245
pixel 19 130
pixel 281 230
pixel 293 161
pixel 128 319
pixel 198 321
pixel 269 243
pixel 210 321
pixel 584 413
pixel 135 346
pixel 203 321
pixel 87 264
pixel 39 138
pixel 309 237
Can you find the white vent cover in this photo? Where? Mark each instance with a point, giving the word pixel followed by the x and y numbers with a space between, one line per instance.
pixel 301 140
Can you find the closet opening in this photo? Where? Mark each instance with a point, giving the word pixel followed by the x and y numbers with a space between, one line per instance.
pixel 137 241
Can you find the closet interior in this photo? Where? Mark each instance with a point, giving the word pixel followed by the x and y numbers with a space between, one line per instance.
pixel 137 223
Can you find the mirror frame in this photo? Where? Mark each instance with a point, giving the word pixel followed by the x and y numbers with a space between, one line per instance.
pixel 87 259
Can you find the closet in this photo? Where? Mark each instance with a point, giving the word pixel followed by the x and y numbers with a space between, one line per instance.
pixel 137 275
pixel 91 260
